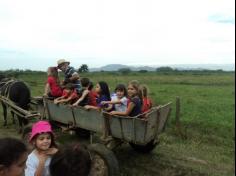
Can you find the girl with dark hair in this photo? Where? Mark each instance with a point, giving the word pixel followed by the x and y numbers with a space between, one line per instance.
pixel 13 155
pixel 119 100
pixel 92 95
pixel 72 160
pixel 103 92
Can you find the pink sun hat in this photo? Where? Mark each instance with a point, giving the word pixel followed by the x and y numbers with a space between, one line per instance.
pixel 40 127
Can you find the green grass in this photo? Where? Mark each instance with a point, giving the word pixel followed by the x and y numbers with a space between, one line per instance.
pixel 207 119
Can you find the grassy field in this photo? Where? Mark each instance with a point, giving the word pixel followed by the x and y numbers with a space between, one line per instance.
pixel 207 120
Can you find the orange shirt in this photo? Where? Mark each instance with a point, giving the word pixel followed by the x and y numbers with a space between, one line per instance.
pixel 147 104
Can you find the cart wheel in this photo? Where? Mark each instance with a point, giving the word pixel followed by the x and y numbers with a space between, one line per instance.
pixel 104 162
pixel 144 148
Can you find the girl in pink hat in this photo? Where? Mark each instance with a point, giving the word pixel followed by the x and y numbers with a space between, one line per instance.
pixel 42 139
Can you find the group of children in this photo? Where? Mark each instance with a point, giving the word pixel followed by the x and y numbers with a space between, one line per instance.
pixel 126 101
pixel 46 159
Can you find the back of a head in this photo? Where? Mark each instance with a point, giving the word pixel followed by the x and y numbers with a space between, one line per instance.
pixel 144 90
pixel 11 150
pixel 69 86
pixel 104 88
pixel 90 85
pixel 85 82
pixel 73 160
pixel 52 71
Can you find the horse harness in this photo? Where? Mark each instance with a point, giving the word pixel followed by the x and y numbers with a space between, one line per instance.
pixel 5 87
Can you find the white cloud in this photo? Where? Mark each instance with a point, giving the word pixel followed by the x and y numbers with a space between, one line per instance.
pixel 126 31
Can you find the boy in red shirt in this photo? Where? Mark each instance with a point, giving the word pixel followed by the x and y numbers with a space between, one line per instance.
pixel 69 95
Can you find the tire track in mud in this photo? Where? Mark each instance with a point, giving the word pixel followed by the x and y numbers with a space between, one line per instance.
pixel 153 164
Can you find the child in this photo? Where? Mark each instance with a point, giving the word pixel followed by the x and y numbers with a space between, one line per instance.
pixel 83 93
pixel 42 139
pixel 72 160
pixel 69 95
pixel 13 155
pixel 103 95
pixel 52 87
pixel 92 95
pixel 119 99
pixel 135 101
pixel 147 102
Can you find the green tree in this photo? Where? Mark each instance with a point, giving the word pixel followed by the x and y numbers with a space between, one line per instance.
pixel 83 68
pixel 164 69
pixel 124 70
pixel 142 71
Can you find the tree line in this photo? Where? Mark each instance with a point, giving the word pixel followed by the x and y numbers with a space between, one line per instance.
pixel 85 69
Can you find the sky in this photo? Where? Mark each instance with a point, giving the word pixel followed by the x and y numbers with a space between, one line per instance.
pixel 35 34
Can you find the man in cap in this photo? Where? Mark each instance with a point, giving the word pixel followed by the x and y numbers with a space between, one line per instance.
pixel 71 76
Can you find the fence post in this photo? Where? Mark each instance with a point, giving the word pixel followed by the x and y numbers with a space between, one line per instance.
pixel 177 119
pixel 177 114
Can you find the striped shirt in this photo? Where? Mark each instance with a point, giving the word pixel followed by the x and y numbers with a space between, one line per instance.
pixel 70 71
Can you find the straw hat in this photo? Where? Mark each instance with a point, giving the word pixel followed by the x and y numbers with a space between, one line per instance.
pixel 62 61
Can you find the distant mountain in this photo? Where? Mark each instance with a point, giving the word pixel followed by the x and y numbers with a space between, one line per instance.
pixel 225 67
pixel 113 67
pixel 116 67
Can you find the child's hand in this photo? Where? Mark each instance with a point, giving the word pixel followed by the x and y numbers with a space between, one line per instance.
pixel 75 104
pixel 104 102
pixel 113 112
pixel 87 107
pixel 51 151
pixel 42 156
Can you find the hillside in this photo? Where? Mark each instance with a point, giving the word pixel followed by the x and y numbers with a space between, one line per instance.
pixel 116 67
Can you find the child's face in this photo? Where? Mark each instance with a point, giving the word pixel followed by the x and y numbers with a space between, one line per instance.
pixel 68 90
pixel 43 141
pixel 120 94
pixel 131 91
pixel 17 168
pixel 97 88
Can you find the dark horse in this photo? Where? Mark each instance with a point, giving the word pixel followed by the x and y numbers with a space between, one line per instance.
pixel 19 93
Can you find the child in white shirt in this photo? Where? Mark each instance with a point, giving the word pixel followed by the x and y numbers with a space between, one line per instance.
pixel 42 139
pixel 119 99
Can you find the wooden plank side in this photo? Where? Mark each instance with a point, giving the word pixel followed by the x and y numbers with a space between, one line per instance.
pixel 60 113
pixel 89 119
